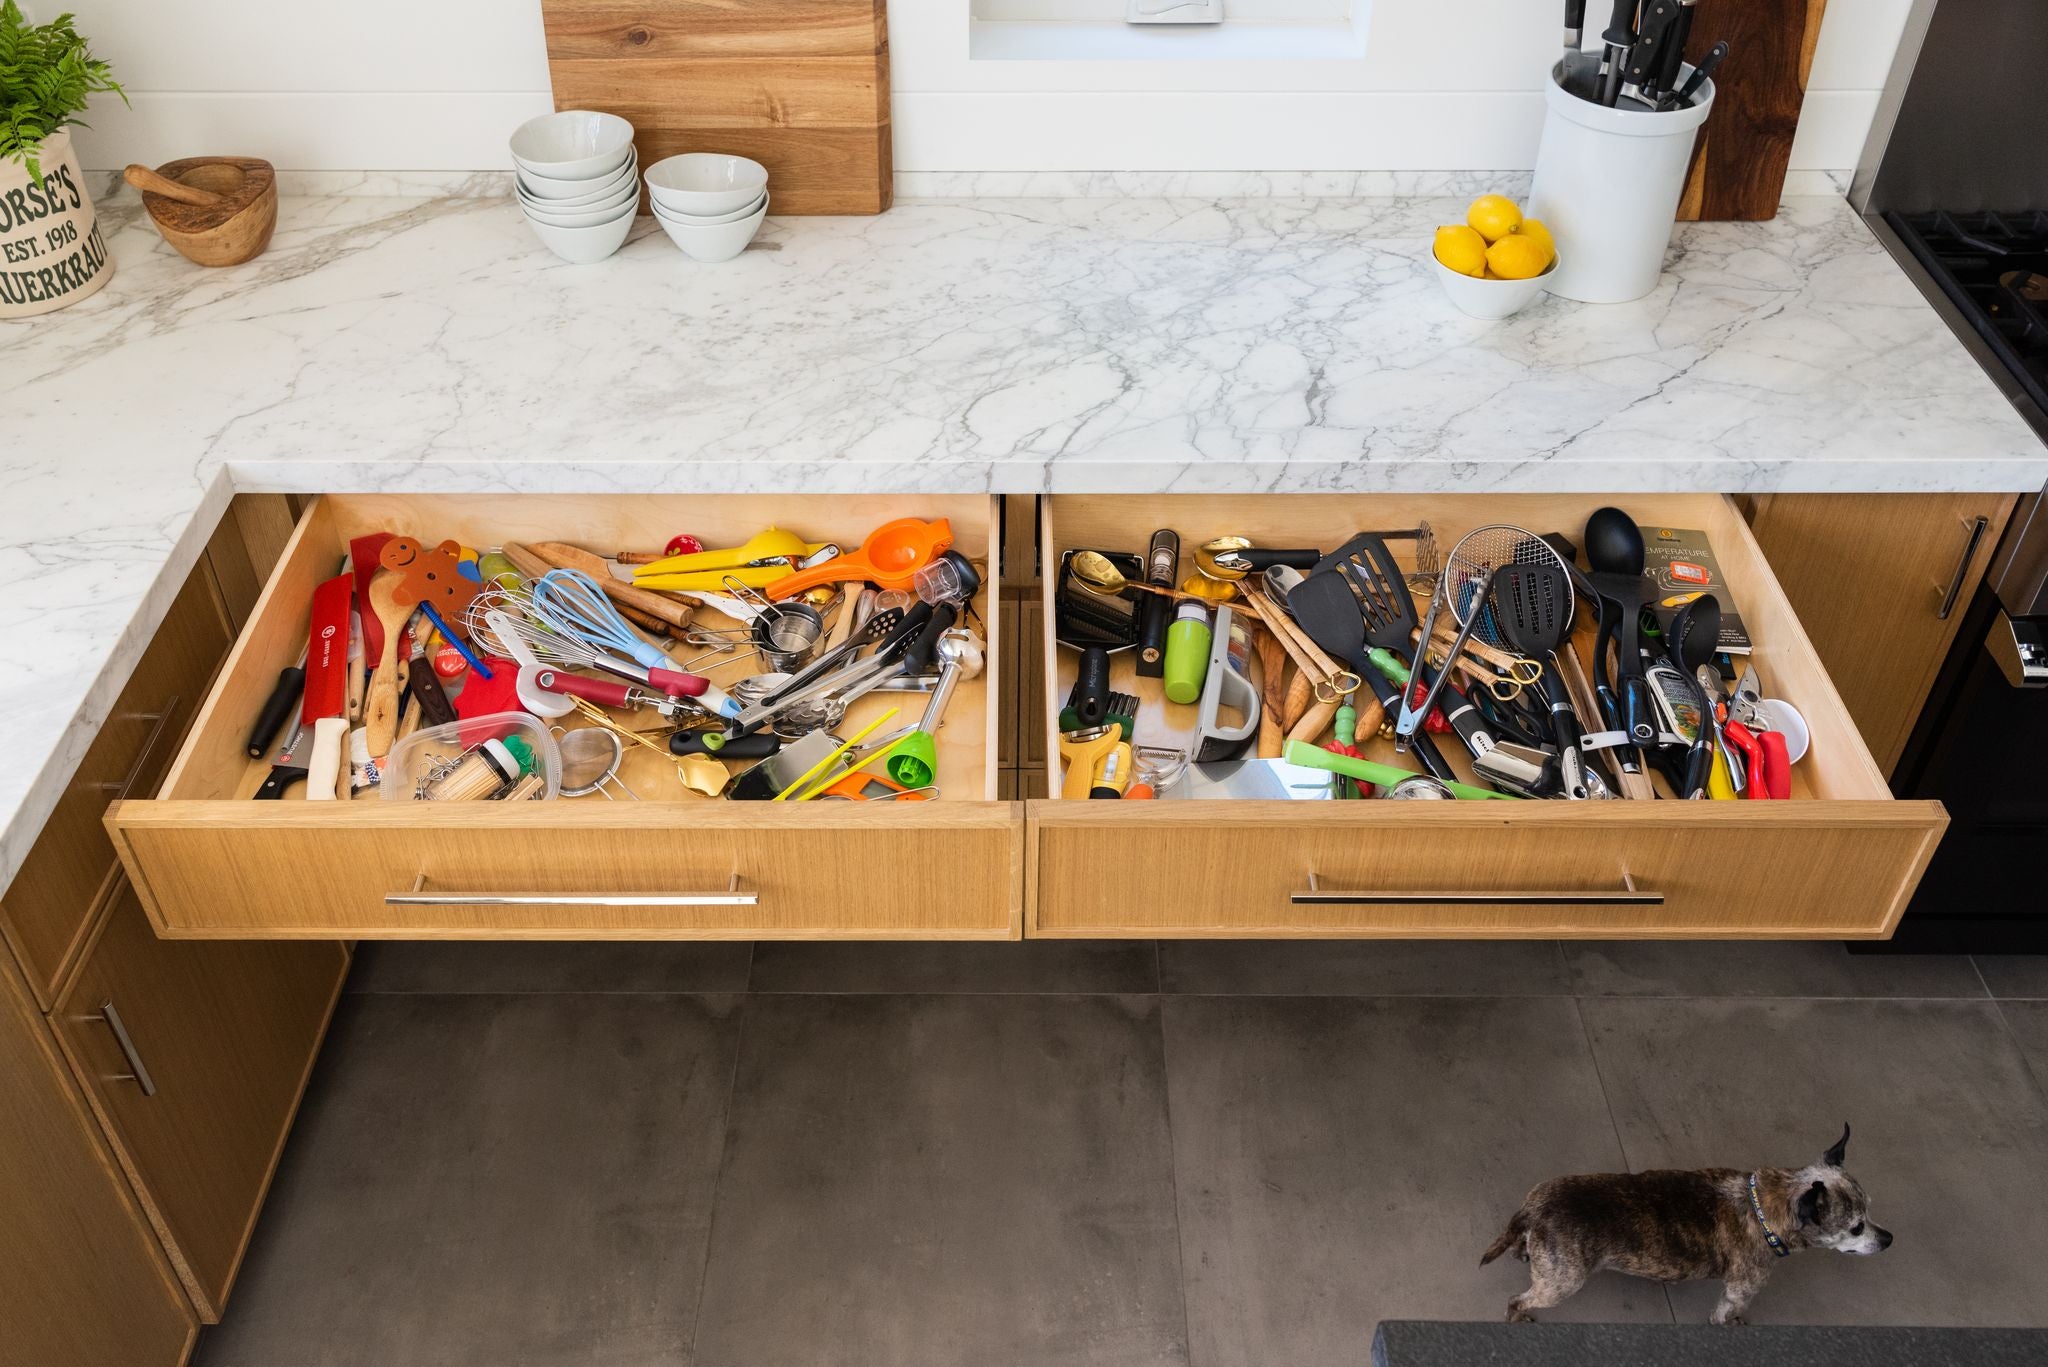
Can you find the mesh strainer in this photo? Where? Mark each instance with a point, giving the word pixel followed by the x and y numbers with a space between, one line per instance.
pixel 1467 587
pixel 590 759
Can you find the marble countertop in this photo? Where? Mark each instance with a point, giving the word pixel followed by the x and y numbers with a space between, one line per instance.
pixel 1014 345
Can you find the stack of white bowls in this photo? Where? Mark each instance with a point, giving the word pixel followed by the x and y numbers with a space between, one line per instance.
pixel 710 204
pixel 579 182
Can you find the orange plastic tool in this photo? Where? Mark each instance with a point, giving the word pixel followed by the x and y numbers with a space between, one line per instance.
pixel 893 553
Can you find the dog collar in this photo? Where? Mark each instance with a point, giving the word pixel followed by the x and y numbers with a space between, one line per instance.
pixel 1756 1204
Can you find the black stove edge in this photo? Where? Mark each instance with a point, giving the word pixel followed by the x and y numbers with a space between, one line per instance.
pixel 1988 351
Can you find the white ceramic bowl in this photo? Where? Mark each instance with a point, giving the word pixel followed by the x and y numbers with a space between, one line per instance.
pixel 569 193
pixel 707 220
pixel 582 216
pixel 576 144
pixel 715 241
pixel 582 246
pixel 706 184
pixel 1490 298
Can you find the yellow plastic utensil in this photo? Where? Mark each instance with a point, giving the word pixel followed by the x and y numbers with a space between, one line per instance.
pixel 819 767
pixel 761 546
pixel 711 581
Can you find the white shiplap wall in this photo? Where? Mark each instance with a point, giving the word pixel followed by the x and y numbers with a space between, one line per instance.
pixel 437 84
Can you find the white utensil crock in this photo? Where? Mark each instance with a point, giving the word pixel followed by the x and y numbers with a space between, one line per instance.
pixel 51 253
pixel 1607 186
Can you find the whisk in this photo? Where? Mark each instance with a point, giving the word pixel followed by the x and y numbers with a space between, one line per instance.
pixel 575 605
pixel 497 613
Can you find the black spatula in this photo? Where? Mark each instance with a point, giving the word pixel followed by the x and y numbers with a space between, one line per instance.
pixel 1532 604
pixel 1325 607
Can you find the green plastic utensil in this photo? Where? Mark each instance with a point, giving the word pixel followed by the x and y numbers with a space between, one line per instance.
pixel 1384 775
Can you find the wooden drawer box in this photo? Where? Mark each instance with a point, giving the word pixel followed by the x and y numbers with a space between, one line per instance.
pixel 225 1035
pixel 1839 861
pixel 47 909
pixel 208 862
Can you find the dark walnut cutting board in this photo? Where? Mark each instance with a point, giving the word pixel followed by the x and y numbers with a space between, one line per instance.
pixel 1738 169
pixel 801 86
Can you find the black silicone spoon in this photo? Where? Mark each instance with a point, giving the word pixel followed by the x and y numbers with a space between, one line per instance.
pixel 1533 604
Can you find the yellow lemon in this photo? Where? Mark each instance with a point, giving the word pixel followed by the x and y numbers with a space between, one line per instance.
pixel 1517 257
pixel 1461 249
pixel 1493 217
pixel 1533 228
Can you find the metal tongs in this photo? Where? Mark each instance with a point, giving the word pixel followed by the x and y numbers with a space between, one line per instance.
pixel 826 676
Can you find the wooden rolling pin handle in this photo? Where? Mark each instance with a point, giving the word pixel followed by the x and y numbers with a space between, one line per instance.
pixel 142 178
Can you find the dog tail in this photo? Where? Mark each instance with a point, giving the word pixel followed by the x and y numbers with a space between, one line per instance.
pixel 1509 1237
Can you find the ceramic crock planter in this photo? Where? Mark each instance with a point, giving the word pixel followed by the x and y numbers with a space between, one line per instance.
pixel 51 251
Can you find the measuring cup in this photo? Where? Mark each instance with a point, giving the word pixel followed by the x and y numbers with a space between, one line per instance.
pixel 890 558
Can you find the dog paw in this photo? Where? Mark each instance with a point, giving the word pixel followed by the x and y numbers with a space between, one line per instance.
pixel 1517 1315
pixel 1730 1319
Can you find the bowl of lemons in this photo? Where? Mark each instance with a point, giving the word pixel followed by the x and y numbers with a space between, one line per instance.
pixel 1494 262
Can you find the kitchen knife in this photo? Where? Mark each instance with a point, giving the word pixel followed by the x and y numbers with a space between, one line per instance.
pixel 1574 24
pixel 326 706
pixel 1674 48
pixel 291 684
pixel 1700 73
pixel 1619 37
pixel 283 773
pixel 1646 58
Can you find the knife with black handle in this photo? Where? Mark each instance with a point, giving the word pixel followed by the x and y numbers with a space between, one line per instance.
pixel 1674 49
pixel 1574 24
pixel 1646 58
pixel 1683 97
pixel 1619 37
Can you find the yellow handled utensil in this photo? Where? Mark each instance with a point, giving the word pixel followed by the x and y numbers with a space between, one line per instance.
pixel 710 581
pixel 1085 752
pixel 834 780
pixel 825 763
pixel 768 545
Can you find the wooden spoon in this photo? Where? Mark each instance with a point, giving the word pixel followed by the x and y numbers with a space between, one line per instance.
pixel 142 178
pixel 380 707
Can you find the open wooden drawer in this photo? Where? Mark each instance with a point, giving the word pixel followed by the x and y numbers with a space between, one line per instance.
pixel 1837 861
pixel 208 862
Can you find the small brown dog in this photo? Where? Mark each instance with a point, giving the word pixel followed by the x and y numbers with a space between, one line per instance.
pixel 1673 1226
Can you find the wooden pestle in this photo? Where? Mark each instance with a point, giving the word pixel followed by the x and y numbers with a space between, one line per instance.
pixel 142 178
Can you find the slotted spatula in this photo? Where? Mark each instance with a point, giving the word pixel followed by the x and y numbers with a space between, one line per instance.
pixel 1532 605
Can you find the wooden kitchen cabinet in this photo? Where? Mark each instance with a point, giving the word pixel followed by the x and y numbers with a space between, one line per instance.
pixel 1880 582
pixel 1837 862
pixel 48 909
pixel 82 1281
pixel 194 1056
pixel 208 863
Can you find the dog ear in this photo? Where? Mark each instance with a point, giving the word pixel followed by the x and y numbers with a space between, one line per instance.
pixel 1833 1157
pixel 1813 1203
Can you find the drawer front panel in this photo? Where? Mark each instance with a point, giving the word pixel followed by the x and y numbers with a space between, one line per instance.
pixel 1280 869
pixel 225 1035
pixel 48 906
pixel 951 870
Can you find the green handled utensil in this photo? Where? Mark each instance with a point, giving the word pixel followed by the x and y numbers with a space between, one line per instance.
pixel 1384 775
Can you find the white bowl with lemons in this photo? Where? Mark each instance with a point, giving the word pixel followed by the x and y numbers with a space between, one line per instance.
pixel 1495 262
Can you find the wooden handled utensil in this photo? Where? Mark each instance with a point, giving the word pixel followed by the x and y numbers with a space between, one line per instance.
pixel 142 178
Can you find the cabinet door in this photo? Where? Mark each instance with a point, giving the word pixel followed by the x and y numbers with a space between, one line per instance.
pixel 1880 582
pixel 196 1070
pixel 81 1281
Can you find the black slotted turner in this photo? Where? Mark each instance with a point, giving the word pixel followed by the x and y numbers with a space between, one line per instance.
pixel 1532 605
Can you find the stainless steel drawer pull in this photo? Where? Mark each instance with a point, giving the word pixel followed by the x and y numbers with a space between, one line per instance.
pixel 1976 527
pixel 159 722
pixel 418 896
pixel 1627 895
pixel 136 1073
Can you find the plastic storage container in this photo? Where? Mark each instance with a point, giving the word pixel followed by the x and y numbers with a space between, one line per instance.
pixel 1607 186
pixel 413 760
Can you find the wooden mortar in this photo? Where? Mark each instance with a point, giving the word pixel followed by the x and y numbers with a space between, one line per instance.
pixel 217 211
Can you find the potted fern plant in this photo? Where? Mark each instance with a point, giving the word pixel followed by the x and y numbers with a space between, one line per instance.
pixel 51 251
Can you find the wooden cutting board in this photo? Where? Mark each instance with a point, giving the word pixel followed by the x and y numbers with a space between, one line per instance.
pixel 801 86
pixel 1738 169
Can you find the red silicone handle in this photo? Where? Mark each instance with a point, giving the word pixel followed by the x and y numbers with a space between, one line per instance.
pixel 1777 764
pixel 1739 736
pixel 677 684
pixel 576 686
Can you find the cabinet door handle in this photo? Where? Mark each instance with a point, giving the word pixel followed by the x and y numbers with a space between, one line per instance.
pixel 1627 895
pixel 419 896
pixel 1976 527
pixel 137 1073
pixel 160 722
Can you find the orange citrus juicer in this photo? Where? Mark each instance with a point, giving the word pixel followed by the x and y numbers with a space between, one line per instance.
pixel 890 558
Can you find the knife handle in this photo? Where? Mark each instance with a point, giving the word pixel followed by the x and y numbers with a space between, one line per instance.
pixel 1574 23
pixel 1646 58
pixel 1700 73
pixel 1621 25
pixel 290 684
pixel 323 766
pixel 1674 46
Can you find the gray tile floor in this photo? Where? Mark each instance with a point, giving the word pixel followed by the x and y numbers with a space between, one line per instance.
pixel 1204 1153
